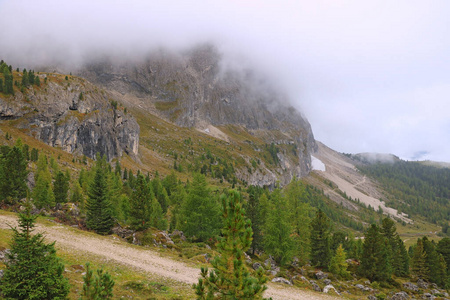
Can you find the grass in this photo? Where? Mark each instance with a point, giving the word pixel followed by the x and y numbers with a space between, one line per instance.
pixel 129 283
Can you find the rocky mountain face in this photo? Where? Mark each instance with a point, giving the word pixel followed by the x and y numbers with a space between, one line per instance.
pixel 193 89
pixel 74 115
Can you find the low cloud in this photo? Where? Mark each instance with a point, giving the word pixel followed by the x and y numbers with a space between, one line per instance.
pixel 371 76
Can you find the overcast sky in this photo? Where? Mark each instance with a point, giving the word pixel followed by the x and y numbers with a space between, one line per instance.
pixel 370 76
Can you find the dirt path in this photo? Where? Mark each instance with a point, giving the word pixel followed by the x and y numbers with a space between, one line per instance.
pixel 72 241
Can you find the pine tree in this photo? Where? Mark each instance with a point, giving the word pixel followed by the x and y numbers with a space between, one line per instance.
pixel 320 235
pixel 230 278
pixel 432 259
pixel 443 247
pixel 140 204
pixel 33 271
pixel 338 265
pixel 97 287
pixel 200 213
pixel 98 207
pixel 61 187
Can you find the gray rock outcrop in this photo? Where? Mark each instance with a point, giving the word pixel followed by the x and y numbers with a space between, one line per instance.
pixel 74 116
pixel 195 89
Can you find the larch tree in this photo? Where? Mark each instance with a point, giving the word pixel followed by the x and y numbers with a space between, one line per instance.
pixel 230 277
pixel 200 213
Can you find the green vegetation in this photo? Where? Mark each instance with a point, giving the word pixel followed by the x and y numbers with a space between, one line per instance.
pixel 414 188
pixel 230 278
pixel 33 271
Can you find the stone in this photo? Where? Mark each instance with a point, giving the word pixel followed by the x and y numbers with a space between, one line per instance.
pixel 411 286
pixel 179 234
pixel 327 281
pixel 372 297
pixel 400 296
pixel 422 284
pixel 428 296
pixel 360 286
pixel 316 287
pixel 256 266
pixel 329 287
pixel 321 275
pixel 282 280
pixel 1 273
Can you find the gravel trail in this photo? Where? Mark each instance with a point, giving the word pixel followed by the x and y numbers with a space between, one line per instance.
pixel 149 261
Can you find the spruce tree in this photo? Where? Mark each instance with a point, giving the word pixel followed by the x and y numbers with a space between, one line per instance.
pixel 230 278
pixel 25 81
pixel 320 235
pixel 443 247
pixel 98 207
pixel 33 271
pixel 61 187
pixel 419 266
pixel 375 259
pixel 140 204
pixel 13 174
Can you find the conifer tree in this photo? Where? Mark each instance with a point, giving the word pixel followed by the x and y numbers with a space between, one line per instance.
pixel 156 216
pixel 375 259
pixel 140 204
pixel 418 261
pixel 253 209
pixel 200 213
pixel 278 241
pixel 432 259
pixel 98 286
pixel 443 247
pixel 25 81
pixel 13 174
pixel 299 216
pixel 98 207
pixel 230 278
pixel 338 265
pixel 61 187
pixel 320 235
pixel 33 271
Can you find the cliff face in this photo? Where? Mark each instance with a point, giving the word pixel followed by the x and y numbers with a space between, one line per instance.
pixel 74 115
pixel 193 90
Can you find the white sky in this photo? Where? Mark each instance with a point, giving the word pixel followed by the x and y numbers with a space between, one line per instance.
pixel 370 76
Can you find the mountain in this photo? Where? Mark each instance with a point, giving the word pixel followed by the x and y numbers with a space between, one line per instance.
pixel 195 90
pixel 70 113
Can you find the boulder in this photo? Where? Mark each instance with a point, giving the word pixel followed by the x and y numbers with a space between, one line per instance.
pixel 321 275
pixel 256 266
pixel 422 284
pixel 315 286
pixel 428 296
pixel 372 297
pixel 327 281
pixel 282 280
pixel 411 286
pixel 329 287
pixel 400 296
pixel 179 234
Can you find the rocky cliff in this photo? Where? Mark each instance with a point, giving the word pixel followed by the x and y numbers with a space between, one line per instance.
pixel 70 113
pixel 193 89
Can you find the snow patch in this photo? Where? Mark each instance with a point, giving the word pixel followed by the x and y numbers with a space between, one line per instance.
pixel 317 164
